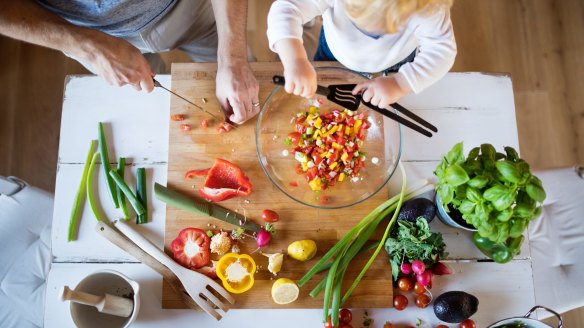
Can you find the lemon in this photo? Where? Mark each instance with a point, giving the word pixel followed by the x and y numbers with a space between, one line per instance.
pixel 302 250
pixel 284 291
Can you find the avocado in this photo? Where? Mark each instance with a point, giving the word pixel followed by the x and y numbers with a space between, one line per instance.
pixel 455 306
pixel 414 208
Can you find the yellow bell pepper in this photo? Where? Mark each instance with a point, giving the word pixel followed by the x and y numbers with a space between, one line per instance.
pixel 236 271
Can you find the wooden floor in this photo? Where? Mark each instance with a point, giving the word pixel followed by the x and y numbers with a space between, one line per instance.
pixel 539 42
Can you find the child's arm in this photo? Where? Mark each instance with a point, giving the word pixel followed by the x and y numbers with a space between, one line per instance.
pixel 298 71
pixel 285 21
pixel 437 50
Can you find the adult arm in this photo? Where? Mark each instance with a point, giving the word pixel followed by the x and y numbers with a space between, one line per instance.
pixel 114 59
pixel 236 86
pixel 285 21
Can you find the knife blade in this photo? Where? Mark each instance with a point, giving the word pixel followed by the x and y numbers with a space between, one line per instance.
pixel 226 119
pixel 203 207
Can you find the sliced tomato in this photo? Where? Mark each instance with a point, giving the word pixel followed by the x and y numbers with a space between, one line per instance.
pixel 191 248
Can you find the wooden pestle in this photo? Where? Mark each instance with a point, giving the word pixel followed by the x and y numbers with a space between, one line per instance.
pixel 109 304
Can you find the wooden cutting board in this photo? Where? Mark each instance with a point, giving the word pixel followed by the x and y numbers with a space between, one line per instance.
pixel 198 148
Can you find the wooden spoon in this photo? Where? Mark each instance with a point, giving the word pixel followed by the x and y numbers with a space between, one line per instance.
pixel 109 304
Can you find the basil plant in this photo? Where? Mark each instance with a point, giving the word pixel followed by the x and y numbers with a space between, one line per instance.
pixel 495 192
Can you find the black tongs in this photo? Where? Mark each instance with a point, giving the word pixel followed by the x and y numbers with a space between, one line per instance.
pixel 342 94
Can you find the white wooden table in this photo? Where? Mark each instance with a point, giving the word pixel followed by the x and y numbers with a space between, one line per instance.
pixel 470 107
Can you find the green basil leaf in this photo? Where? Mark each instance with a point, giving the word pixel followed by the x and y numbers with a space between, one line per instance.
pixel 502 232
pixel 446 195
pixel 473 194
pixel 439 172
pixel 523 168
pixel 512 154
pixel 473 154
pixel 535 192
pixel 455 175
pixel 524 210
pixel 455 155
pixel 517 228
pixel 488 151
pixel 481 212
pixel 478 182
pixel 536 181
pixel 499 156
pixel 504 215
pixel 537 212
pixel 505 201
pixel 495 192
pixel 466 207
pixel 508 171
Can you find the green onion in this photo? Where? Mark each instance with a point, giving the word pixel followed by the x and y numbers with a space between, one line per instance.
pixel 121 198
pixel 75 211
pixel 141 194
pixel 129 194
pixel 106 164
pixel 89 187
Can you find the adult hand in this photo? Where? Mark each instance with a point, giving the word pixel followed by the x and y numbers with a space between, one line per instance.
pixel 381 91
pixel 237 90
pixel 118 62
pixel 300 77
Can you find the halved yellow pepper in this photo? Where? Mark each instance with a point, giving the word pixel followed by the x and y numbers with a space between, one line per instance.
pixel 236 271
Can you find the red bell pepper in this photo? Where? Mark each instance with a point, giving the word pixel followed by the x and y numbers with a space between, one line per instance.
pixel 224 180
pixel 191 248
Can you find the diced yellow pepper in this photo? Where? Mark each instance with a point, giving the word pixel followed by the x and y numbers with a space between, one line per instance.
pixel 333 165
pixel 318 122
pixel 344 156
pixel 327 155
pixel 342 176
pixel 315 184
pixel 340 129
pixel 312 110
pixel 347 130
pixel 357 126
pixel 310 117
pixel 332 130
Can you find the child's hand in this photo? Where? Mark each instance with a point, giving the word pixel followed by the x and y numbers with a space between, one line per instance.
pixel 381 91
pixel 300 78
pixel 299 73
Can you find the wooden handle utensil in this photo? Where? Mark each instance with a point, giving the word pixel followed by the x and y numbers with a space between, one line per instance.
pixel 109 304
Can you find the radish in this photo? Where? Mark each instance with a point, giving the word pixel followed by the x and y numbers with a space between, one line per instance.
pixel 418 267
pixel 440 269
pixel 264 236
pixel 424 278
pixel 406 268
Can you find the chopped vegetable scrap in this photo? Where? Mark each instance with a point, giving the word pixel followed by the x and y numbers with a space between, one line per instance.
pixel 185 127
pixel 224 127
pixel 327 146
pixel 191 248
pixel 236 271
pixel 274 262
pixel 224 180
pixel 177 117
pixel 220 243
pixel 205 123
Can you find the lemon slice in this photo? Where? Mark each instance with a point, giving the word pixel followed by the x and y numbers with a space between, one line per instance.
pixel 284 291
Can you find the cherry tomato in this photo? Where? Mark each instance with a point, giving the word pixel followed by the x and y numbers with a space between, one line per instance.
pixel 294 137
pixel 205 123
pixel 400 302
pixel 177 117
pixel 293 184
pixel 270 216
pixel 405 284
pixel 345 316
pixel 441 326
pixel 185 127
pixel 419 289
pixel 422 300
pixel 468 324
pixel 388 325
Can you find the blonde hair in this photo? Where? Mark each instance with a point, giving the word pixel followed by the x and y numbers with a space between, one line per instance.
pixel 388 15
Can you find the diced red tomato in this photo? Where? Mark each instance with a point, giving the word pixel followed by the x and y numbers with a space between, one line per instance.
pixel 293 184
pixel 205 123
pixel 177 117
pixel 294 138
pixel 185 127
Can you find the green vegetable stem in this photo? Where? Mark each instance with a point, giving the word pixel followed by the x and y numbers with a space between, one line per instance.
pixel 141 194
pixel 79 197
pixel 136 204
pixel 121 198
pixel 106 164
pixel 89 187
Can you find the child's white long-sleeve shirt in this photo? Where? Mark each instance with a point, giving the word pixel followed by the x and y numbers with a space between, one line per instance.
pixel 432 34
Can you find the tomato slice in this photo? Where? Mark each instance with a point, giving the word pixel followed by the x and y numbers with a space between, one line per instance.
pixel 294 138
pixel 191 248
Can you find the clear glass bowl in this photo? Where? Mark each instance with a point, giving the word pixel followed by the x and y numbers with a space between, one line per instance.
pixel 275 122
